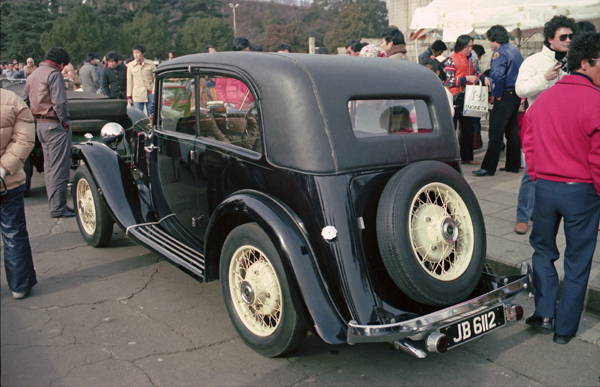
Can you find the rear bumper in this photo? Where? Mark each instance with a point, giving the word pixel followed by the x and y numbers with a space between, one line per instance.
pixel 505 289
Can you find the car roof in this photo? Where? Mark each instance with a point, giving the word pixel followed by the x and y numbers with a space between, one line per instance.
pixel 304 103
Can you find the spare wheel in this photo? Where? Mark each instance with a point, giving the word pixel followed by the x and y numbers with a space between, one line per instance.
pixel 431 233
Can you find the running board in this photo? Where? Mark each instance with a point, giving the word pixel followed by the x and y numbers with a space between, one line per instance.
pixel 152 236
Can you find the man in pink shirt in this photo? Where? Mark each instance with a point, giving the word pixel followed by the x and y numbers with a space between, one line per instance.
pixel 562 150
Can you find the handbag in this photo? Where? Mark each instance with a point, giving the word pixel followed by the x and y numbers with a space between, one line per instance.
pixel 475 101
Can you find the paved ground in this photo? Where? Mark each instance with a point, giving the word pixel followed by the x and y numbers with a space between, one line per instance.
pixel 122 316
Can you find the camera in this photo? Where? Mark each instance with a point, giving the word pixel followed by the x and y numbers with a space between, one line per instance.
pixel 563 63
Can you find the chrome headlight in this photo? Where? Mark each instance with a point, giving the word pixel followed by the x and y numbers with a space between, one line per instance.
pixel 112 134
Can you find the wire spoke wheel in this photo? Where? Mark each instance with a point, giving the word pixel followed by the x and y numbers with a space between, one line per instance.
pixel 85 207
pixel 257 293
pixel 93 218
pixel 255 290
pixel 431 233
pixel 441 231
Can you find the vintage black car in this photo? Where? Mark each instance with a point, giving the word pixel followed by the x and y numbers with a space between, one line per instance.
pixel 89 113
pixel 324 192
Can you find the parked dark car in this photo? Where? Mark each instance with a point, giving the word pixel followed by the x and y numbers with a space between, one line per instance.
pixel 89 113
pixel 324 192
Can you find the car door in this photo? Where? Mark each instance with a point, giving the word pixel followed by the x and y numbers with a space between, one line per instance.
pixel 172 171
pixel 229 144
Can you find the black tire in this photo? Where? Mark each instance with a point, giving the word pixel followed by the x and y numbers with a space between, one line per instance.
pixel 431 233
pixel 93 219
pixel 278 330
pixel 28 168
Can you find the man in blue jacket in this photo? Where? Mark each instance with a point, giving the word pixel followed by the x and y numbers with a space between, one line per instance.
pixel 504 70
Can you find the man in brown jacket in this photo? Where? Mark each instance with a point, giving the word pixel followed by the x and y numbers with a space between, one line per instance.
pixel 46 96
pixel 392 42
pixel 17 137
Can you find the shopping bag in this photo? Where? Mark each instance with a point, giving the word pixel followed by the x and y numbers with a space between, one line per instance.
pixel 476 101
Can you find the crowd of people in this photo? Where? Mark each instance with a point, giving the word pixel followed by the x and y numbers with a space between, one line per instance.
pixel 16 70
pixel 559 133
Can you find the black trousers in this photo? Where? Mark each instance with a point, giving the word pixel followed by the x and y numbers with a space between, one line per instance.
pixel 467 137
pixel 503 122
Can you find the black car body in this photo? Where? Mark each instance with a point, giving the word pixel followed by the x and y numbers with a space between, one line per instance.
pixel 324 192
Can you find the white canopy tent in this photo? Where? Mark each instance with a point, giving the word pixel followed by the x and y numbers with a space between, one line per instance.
pixel 521 17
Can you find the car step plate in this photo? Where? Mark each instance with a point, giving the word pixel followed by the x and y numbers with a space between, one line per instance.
pixel 475 326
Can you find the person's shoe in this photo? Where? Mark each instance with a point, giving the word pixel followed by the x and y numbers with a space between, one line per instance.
pixel 510 170
pixel 562 339
pixel 67 213
pixel 472 162
pixel 483 172
pixel 543 325
pixel 20 296
pixel 521 228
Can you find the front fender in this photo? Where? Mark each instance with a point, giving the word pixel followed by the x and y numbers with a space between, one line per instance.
pixel 287 233
pixel 114 181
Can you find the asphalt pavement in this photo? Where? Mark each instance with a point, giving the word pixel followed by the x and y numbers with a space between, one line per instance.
pixel 122 316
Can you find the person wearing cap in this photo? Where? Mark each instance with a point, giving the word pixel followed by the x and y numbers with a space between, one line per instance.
pixel 88 74
pixel 140 80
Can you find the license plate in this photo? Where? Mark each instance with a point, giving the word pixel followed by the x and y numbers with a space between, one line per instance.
pixel 473 327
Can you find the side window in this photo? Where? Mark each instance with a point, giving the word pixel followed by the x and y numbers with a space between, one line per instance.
pixel 177 105
pixel 372 118
pixel 228 113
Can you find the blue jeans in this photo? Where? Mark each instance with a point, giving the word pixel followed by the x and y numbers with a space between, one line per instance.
pixel 149 105
pixel 18 262
pixel 526 198
pixel 578 205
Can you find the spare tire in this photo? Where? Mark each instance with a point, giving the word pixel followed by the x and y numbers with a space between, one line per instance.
pixel 431 233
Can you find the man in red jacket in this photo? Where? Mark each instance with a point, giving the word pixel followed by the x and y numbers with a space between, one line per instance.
pixel 562 150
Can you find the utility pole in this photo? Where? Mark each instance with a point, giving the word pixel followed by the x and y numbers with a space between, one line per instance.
pixel 234 29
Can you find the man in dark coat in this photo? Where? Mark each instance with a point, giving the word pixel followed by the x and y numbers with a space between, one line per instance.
pixel 114 78
pixel 433 51
pixel 504 69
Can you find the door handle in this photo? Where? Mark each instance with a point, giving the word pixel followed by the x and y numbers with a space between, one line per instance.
pixel 196 221
pixel 151 148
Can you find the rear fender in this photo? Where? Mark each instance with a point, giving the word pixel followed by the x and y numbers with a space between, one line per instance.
pixel 114 181
pixel 289 237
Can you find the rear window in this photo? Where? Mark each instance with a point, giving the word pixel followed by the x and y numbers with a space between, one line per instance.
pixel 381 117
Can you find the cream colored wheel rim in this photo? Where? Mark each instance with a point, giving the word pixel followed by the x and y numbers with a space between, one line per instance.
pixel 85 207
pixel 255 291
pixel 441 231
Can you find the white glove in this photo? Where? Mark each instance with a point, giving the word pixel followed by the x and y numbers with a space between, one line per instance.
pixel 2 172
